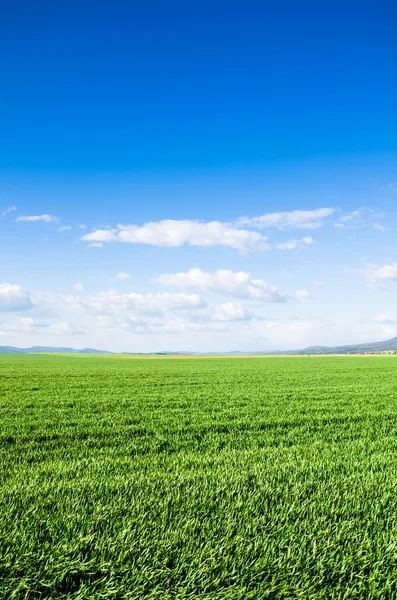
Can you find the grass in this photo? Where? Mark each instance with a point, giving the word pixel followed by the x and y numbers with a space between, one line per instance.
pixel 226 479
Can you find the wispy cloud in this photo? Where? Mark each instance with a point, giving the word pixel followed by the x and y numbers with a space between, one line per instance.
pixel 8 210
pixel 379 227
pixel 390 187
pixel 386 318
pixel 362 217
pixel 25 324
pixel 34 218
pixel 64 228
pixel 351 217
pixel 65 328
pixel 298 219
pixel 293 244
pixel 375 274
pixel 112 302
pixel 36 326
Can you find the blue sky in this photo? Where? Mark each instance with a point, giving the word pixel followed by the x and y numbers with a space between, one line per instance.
pixel 197 176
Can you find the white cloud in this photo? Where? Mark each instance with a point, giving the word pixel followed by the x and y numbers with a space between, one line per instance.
pixel 380 227
pixel 174 325
pixel 352 216
pixel 134 323
pixel 219 313
pixel 79 287
pixel 30 325
pixel 151 313
pixel 299 219
pixel 8 210
pixel 376 273
pixel 113 315
pixel 14 298
pixel 228 283
pixel 292 244
pixel 64 328
pixel 386 318
pixel 179 325
pixel 33 218
pixel 303 296
pixel 111 302
pixel 319 283
pixel 96 245
pixel 152 303
pixel 230 323
pixel 100 236
pixel 82 226
pixel 26 325
pixel 229 311
pixel 64 228
pixel 237 235
pixel 123 276
pixel 362 217
pixel 173 233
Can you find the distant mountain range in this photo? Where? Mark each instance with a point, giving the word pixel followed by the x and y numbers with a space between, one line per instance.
pixel 33 349
pixel 384 346
pixel 388 345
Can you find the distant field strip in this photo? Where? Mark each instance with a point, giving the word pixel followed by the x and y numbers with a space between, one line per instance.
pixel 208 478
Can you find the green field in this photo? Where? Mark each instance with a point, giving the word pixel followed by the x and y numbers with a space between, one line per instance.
pixel 209 478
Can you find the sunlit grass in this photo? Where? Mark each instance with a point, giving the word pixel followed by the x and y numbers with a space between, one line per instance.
pixel 203 478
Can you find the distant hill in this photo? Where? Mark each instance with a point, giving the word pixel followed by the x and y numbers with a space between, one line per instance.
pixel 10 350
pixel 384 346
pixel 14 350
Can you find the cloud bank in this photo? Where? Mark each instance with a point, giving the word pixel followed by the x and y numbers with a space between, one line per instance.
pixel 14 298
pixel 237 235
pixel 225 282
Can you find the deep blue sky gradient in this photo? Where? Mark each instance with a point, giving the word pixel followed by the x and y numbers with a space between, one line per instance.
pixel 114 87
pixel 129 112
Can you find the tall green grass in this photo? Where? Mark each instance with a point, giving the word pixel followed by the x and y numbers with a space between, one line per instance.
pixel 243 478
